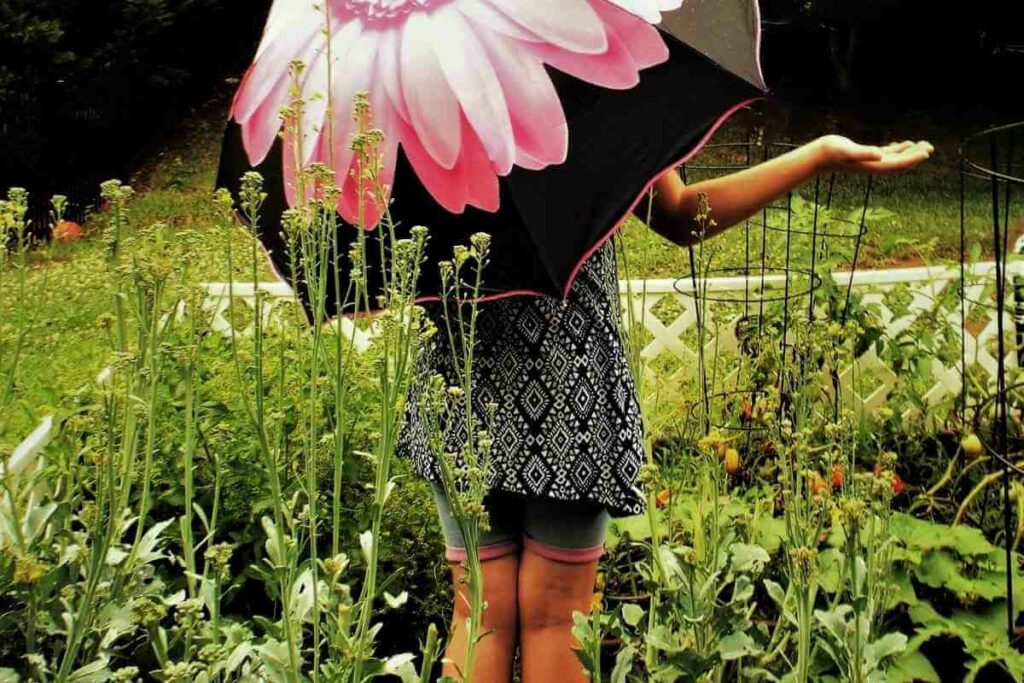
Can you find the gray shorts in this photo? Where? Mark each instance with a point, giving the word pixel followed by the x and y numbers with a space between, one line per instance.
pixel 571 532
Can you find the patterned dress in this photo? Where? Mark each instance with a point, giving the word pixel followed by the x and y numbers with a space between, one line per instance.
pixel 568 424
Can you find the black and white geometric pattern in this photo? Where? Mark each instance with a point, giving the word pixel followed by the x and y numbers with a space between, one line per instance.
pixel 568 423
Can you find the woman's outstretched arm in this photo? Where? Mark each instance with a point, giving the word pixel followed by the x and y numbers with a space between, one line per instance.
pixel 736 197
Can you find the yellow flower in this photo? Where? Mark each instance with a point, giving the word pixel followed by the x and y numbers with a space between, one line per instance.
pixel 28 570
pixel 596 601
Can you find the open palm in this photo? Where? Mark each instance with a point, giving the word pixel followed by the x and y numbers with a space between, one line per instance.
pixel 843 154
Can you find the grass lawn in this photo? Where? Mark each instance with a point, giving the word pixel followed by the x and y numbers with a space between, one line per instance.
pixel 66 289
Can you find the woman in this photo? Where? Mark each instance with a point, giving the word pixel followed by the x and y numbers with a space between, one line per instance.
pixel 565 450
pixel 478 101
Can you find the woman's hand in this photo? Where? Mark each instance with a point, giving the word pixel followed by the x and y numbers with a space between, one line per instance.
pixel 837 153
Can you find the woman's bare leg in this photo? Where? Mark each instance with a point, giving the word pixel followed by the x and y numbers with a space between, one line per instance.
pixel 494 652
pixel 549 592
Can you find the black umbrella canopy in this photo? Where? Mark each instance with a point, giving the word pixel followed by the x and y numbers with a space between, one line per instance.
pixel 549 221
pixel 728 32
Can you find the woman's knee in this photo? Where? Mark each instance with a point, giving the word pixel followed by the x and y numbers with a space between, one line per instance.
pixel 500 577
pixel 551 590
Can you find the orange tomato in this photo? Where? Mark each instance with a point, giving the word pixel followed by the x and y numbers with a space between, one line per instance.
pixel 837 476
pixel 662 499
pixel 746 411
pixel 67 231
pixel 818 485
pixel 732 461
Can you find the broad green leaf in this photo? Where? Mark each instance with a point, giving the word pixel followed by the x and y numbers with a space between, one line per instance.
pixel 941 570
pixel 302 596
pixel 749 558
pixel 95 671
pixel 115 556
pixel 662 638
pixel 830 569
pixel 888 645
pixel 925 535
pixel 623 664
pixel 912 667
pixel 742 591
pixel 776 592
pixel 632 614
pixel 982 669
pixel 737 645
pixel 635 528
pixel 835 621
pixel 670 561
pixel 905 593
pixel 238 657
pixel 275 657
pixel 983 635
pixel 274 551
pixel 758 674
pixel 768 532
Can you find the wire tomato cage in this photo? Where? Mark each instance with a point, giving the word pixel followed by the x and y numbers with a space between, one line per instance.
pixel 784 251
pixel 993 159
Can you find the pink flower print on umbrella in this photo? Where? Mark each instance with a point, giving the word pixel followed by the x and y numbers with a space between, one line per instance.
pixel 461 85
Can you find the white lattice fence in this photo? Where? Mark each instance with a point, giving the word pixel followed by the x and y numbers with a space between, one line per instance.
pixel 672 327
pixel 668 311
pixel 219 299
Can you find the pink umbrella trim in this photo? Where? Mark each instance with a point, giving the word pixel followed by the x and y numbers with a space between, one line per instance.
pixel 575 272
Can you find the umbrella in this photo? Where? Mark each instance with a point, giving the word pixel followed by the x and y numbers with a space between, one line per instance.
pixel 543 124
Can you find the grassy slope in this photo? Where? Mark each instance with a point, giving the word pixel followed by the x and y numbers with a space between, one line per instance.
pixel 67 284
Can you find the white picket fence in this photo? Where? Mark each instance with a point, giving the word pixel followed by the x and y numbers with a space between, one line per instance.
pixel 668 312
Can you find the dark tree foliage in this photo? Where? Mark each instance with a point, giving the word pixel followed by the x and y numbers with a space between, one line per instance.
pixel 86 86
pixel 905 52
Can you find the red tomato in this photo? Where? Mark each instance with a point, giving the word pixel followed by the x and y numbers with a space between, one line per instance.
pixel 837 476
